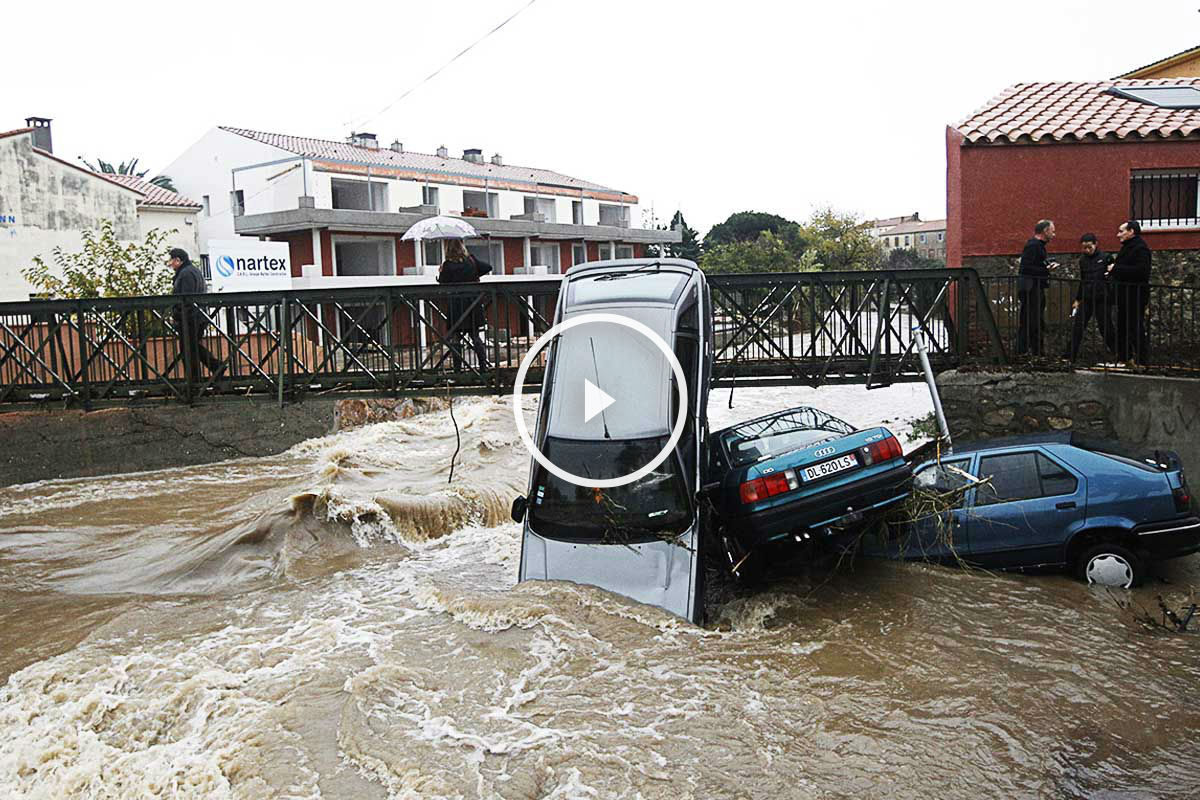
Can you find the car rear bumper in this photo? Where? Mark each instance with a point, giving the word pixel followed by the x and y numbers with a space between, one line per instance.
pixel 1172 539
pixel 828 508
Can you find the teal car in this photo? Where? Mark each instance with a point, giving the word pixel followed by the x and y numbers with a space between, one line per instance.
pixel 799 478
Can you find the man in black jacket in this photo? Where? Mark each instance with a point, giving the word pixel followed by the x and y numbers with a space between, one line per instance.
pixel 1130 275
pixel 1031 288
pixel 188 280
pixel 1092 298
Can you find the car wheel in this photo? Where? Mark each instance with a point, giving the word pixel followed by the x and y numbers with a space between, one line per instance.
pixel 1110 565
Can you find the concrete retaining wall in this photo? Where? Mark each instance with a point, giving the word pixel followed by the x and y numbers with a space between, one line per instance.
pixel 1139 409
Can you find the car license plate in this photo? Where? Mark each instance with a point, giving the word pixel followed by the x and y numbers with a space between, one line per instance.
pixel 828 468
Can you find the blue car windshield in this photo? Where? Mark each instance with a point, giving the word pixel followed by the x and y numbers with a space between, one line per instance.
pixel 653 507
pixel 781 433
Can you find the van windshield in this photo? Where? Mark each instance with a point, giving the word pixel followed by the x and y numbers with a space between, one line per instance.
pixel 653 507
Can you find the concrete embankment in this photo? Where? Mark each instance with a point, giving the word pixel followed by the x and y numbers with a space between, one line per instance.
pixel 42 444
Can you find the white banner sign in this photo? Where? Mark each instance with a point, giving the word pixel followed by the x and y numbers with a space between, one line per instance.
pixel 246 265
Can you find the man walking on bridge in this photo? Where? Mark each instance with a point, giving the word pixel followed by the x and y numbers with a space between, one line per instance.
pixel 1131 275
pixel 1031 288
pixel 188 280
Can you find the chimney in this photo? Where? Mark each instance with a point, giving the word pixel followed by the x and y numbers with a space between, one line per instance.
pixel 397 146
pixel 497 160
pixel 443 152
pixel 41 133
pixel 367 140
pixel 474 155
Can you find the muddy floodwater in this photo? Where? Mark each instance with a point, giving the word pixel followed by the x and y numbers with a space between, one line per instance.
pixel 338 622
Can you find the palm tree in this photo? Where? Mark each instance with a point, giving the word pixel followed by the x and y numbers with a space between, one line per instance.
pixel 129 168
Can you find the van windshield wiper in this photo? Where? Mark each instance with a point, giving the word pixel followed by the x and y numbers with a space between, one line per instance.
pixel 633 273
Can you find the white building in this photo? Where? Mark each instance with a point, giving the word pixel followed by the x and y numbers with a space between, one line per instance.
pixel 46 202
pixel 342 206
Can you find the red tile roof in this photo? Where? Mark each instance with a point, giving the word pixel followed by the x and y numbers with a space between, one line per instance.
pixel 152 195
pixel 344 151
pixel 932 226
pixel 15 132
pixel 1054 112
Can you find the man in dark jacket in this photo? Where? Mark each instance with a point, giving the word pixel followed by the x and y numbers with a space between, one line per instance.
pixel 1130 275
pixel 188 280
pixel 1092 298
pixel 1031 288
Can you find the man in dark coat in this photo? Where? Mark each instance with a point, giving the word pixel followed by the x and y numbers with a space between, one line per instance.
pixel 465 312
pixel 1130 275
pixel 188 280
pixel 1092 297
pixel 1031 288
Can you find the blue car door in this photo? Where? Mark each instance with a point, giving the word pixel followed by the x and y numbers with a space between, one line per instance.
pixel 1022 516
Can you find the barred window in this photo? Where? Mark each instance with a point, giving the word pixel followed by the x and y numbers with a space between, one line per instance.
pixel 1164 198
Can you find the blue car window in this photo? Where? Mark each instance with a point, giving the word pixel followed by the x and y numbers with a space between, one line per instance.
pixel 1055 479
pixel 1014 476
pixel 945 477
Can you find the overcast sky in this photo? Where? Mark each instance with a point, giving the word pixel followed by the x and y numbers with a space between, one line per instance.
pixel 710 107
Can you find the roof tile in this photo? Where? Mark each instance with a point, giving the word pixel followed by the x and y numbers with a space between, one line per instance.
pixel 153 195
pixel 1077 111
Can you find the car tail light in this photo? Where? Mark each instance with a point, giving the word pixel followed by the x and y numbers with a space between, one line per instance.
pixel 883 450
pixel 1183 498
pixel 769 486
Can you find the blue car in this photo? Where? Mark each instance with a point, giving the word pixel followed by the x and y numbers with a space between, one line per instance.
pixel 797 478
pixel 1053 501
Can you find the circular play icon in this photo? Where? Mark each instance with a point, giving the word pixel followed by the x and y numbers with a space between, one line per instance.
pixel 595 401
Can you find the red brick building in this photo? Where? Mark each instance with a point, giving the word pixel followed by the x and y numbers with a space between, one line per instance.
pixel 1087 155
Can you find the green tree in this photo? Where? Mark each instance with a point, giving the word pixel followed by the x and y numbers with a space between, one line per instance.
pixel 746 226
pixel 689 248
pixel 910 259
pixel 129 168
pixel 838 242
pixel 767 253
pixel 105 267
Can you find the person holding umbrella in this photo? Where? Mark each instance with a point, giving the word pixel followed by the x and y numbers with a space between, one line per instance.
pixel 466 311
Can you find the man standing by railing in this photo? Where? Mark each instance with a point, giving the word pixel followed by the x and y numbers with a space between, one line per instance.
pixel 188 280
pixel 1031 288
pixel 1092 298
pixel 1131 274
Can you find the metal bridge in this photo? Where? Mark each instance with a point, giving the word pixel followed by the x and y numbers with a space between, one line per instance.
pixel 769 329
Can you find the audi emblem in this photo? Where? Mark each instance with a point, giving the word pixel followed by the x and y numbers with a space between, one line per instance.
pixel 824 451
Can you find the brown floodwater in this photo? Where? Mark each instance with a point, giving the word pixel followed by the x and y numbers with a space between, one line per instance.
pixel 338 622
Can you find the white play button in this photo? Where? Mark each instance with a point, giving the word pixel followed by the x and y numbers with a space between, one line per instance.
pixel 595 400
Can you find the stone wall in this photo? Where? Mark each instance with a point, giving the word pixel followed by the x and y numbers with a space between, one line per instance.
pixel 1147 410
pixel 49 443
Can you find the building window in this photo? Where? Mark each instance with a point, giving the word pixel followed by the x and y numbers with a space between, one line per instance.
pixel 237 202
pixel 940 235
pixel 907 241
pixel 624 251
pixel 479 204
pixel 922 238
pixel 605 252
pixel 614 215
pixel 429 196
pixel 576 212
pixel 540 205
pixel 578 254
pixel 204 267
pixel 433 251
pixel 1164 199
pixel 491 253
pixel 207 207
pixel 359 195
pixel 545 255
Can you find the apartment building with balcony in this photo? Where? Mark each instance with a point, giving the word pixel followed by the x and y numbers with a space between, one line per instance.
pixel 343 206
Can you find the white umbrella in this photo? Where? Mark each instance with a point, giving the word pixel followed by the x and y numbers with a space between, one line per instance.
pixel 441 227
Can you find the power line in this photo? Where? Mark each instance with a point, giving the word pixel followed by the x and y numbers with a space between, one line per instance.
pixel 437 71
